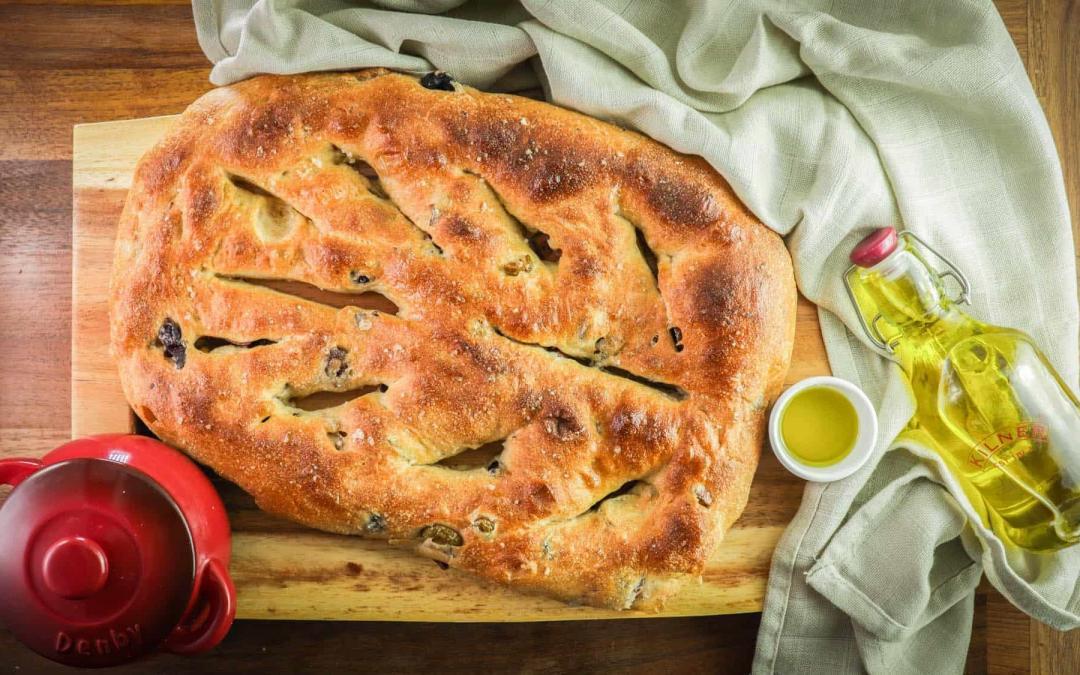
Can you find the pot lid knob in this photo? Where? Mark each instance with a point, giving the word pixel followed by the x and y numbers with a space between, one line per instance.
pixel 75 567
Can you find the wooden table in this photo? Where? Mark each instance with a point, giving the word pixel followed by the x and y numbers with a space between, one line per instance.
pixel 63 63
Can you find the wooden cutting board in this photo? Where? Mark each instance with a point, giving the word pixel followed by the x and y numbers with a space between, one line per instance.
pixel 286 571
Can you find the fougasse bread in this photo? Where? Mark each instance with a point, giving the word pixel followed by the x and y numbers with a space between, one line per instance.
pixel 333 288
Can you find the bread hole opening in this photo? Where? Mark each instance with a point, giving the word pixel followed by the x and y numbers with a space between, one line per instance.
pixel 322 400
pixel 431 242
pixel 366 300
pixel 669 390
pixel 244 184
pixel 371 177
pixel 676 338
pixel 487 456
pixel 633 487
pixel 540 243
pixel 210 343
pixel 648 255
pixel 533 345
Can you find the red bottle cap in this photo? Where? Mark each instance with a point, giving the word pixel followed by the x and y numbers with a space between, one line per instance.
pixel 875 247
pixel 97 564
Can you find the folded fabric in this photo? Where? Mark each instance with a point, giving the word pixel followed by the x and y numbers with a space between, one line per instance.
pixel 827 118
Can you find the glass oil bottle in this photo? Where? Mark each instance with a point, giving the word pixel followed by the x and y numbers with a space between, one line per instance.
pixel 987 399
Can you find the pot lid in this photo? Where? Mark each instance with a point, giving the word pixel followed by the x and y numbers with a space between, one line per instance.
pixel 97 564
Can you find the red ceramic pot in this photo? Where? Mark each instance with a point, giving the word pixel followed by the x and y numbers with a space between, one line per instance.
pixel 112 547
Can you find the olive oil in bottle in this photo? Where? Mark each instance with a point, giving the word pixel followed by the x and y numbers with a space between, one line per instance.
pixel 987 400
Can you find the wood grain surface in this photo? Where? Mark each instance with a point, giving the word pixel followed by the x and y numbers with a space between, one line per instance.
pixel 63 63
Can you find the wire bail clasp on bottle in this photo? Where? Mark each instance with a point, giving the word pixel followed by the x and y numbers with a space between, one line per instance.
pixel 887 347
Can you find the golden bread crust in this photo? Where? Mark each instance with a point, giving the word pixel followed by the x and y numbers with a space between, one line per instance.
pixel 518 242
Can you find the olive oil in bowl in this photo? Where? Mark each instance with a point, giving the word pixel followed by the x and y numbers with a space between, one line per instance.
pixel 823 429
pixel 819 426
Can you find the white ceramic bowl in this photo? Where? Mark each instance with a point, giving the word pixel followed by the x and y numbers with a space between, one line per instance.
pixel 864 442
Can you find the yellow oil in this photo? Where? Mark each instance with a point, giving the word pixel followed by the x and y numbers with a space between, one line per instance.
pixel 819 426
pixel 981 395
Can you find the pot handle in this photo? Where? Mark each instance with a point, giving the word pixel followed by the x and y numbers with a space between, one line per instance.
pixel 211 615
pixel 13 471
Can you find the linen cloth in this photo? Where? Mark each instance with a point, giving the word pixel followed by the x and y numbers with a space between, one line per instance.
pixel 827 118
